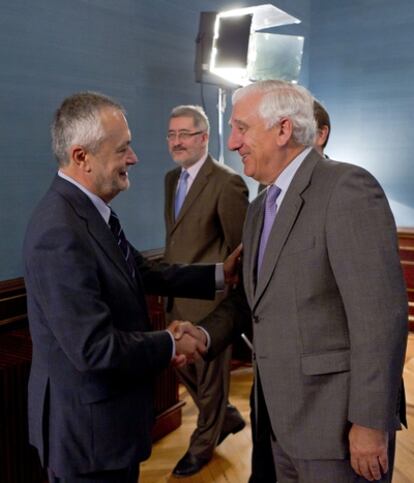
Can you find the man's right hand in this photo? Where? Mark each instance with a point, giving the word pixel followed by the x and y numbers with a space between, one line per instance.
pixel 190 342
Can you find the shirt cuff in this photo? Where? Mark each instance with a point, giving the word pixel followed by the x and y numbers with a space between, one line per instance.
pixel 219 277
pixel 206 334
pixel 173 344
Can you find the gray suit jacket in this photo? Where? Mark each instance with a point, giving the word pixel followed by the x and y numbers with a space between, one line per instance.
pixel 208 228
pixel 94 354
pixel 329 309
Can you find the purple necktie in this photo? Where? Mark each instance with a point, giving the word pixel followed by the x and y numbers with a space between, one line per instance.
pixel 269 217
pixel 181 192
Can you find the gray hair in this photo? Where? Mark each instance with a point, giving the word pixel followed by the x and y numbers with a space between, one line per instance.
pixel 197 114
pixel 282 99
pixel 78 121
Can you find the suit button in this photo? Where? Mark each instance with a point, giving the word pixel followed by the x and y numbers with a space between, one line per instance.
pixel 256 319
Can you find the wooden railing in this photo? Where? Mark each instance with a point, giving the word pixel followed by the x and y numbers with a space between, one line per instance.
pixel 12 303
pixel 406 243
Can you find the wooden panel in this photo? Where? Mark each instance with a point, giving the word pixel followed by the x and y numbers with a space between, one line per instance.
pixel 19 461
pixel 167 405
pixel 406 245
pixel 407 254
pixel 408 269
pixel 12 302
pixel 406 235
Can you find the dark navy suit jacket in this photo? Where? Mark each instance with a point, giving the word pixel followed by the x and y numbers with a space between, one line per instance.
pixel 94 354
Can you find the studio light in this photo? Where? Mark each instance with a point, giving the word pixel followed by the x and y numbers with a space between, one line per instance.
pixel 232 52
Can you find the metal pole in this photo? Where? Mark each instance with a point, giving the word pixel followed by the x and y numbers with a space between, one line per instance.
pixel 221 107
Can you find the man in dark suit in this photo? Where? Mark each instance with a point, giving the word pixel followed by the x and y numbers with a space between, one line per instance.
pixel 206 228
pixel 94 354
pixel 324 289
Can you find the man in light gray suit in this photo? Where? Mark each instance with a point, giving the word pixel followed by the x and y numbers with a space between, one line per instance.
pixel 324 291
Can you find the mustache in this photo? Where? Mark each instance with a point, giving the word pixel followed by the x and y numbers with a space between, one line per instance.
pixel 179 148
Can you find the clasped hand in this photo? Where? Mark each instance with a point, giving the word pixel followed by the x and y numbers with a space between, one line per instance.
pixel 190 342
pixel 231 267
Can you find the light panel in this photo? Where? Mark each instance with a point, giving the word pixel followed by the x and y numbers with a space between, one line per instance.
pixel 281 53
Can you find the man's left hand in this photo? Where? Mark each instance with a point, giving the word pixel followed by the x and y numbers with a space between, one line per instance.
pixel 368 447
pixel 231 267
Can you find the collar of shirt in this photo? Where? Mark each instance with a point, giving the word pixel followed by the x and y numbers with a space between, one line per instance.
pixel 193 171
pixel 285 177
pixel 99 204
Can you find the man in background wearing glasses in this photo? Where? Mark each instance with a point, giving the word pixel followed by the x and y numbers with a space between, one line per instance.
pixel 205 206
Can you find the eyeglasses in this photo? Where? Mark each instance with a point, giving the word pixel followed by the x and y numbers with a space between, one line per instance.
pixel 182 136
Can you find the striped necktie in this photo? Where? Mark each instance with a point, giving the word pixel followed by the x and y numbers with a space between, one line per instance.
pixel 123 244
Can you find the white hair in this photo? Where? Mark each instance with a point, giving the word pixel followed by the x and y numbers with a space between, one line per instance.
pixel 282 99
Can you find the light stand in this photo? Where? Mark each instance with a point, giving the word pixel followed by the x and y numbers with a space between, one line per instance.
pixel 221 108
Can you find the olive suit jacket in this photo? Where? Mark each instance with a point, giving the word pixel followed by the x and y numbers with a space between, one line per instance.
pixel 94 354
pixel 208 228
pixel 328 309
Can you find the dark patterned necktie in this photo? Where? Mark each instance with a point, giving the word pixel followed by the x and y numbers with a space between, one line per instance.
pixel 123 244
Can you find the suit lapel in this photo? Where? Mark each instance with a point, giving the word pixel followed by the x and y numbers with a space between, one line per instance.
pixel 284 222
pixel 282 226
pixel 251 239
pixel 197 187
pixel 103 236
pixel 170 190
pixel 95 224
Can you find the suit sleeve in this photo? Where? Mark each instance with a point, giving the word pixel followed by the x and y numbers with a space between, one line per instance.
pixel 177 280
pixel 66 288
pixel 232 207
pixel 363 252
pixel 227 321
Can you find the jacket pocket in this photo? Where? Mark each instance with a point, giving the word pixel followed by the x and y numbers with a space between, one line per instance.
pixel 326 363
pixel 297 246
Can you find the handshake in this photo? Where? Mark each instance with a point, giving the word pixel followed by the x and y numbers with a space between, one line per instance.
pixel 190 342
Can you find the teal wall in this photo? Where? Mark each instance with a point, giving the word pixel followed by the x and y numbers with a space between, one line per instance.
pixel 357 59
pixel 140 52
pixel 362 68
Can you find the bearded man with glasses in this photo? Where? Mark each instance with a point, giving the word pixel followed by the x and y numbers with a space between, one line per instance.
pixel 205 206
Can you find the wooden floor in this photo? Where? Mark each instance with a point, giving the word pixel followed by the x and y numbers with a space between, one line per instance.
pixel 231 461
pixel 404 462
